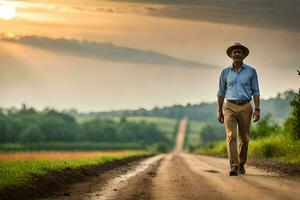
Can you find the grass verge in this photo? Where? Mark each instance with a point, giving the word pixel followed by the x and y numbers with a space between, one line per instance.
pixel 276 147
pixel 17 172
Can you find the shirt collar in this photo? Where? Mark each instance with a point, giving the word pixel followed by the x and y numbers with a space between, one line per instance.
pixel 242 67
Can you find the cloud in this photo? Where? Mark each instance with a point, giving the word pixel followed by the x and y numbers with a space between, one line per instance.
pixel 271 14
pixel 103 51
pixel 122 9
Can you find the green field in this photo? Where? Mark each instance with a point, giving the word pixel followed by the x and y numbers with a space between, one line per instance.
pixel 193 134
pixel 16 171
pixel 167 126
pixel 164 124
pixel 19 170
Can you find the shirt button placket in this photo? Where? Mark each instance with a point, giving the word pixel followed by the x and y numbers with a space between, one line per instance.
pixel 237 85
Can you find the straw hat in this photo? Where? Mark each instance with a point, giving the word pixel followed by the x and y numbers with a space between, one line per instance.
pixel 237 46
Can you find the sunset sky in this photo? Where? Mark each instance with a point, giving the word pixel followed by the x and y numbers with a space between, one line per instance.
pixel 95 55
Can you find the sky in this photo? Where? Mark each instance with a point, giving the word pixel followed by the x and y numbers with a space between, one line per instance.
pixel 100 55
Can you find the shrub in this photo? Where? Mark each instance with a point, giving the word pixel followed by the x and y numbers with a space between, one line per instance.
pixel 292 124
pixel 264 128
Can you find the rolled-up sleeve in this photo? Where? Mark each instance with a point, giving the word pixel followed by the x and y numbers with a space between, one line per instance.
pixel 254 84
pixel 221 91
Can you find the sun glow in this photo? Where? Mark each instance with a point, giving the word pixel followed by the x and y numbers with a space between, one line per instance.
pixel 7 12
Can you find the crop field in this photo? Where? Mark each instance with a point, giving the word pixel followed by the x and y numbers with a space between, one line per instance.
pixel 17 168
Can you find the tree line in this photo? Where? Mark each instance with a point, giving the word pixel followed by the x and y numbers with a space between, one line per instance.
pixel 28 125
pixel 205 112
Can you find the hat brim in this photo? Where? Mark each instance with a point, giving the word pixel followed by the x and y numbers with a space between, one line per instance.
pixel 239 46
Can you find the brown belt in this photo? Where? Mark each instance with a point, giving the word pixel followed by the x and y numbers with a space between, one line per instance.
pixel 238 102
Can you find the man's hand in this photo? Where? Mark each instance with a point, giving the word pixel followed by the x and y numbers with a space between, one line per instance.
pixel 220 116
pixel 256 115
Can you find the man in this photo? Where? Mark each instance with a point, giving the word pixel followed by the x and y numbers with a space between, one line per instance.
pixel 237 84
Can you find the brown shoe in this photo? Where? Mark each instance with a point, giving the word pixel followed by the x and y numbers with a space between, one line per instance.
pixel 233 171
pixel 242 168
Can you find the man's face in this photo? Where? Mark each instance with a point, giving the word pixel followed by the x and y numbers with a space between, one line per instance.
pixel 237 55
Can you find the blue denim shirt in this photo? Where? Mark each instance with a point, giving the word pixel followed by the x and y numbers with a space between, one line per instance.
pixel 239 85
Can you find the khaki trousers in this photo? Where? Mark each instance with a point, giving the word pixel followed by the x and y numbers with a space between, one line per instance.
pixel 237 117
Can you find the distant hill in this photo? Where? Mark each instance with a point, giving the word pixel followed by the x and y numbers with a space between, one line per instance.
pixel 279 107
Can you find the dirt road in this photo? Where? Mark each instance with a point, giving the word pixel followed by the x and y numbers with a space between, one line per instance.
pixel 179 175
